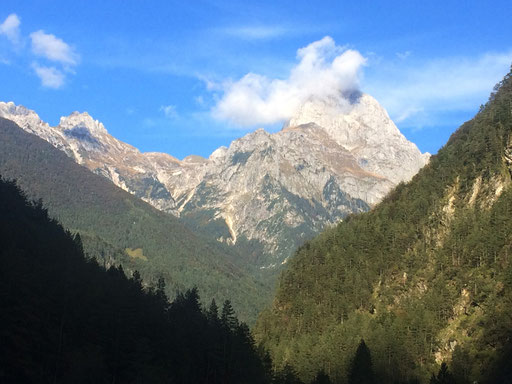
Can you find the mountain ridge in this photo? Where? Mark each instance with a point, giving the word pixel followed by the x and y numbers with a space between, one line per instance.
pixel 310 175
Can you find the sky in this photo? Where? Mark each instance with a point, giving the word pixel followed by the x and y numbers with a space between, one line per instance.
pixel 185 77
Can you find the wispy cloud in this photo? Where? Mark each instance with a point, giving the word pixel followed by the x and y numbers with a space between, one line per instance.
pixel 324 70
pixel 417 93
pixel 10 28
pixel 169 111
pixel 255 32
pixel 53 48
pixel 51 77
pixel 60 57
pixel 403 55
pixel 50 47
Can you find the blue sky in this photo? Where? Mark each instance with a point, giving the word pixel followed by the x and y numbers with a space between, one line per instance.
pixel 168 75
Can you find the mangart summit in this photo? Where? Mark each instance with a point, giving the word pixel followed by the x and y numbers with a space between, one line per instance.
pixel 266 193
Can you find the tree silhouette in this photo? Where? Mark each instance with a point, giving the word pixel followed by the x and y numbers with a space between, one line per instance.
pixel 361 369
pixel 228 317
pixel 443 376
pixel 213 312
pixel 321 378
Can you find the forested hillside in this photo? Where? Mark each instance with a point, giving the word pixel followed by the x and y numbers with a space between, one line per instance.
pixel 65 319
pixel 118 228
pixel 424 278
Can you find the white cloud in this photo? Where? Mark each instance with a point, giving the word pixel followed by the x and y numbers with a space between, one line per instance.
pixel 52 48
pixel 324 70
pixel 169 111
pixel 50 77
pixel 419 93
pixel 11 28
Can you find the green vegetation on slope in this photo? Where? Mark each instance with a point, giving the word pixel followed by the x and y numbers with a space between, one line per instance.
pixel 111 220
pixel 64 319
pixel 425 277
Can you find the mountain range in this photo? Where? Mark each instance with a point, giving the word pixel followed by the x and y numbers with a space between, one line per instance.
pixel 266 193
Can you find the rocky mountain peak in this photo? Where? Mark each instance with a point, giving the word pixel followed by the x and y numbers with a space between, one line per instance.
pixel 14 109
pixel 22 116
pixel 348 121
pixel 194 159
pixel 218 153
pixel 363 127
pixel 82 122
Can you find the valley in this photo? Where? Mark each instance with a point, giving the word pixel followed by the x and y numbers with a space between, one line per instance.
pixel 219 192
pixel 420 280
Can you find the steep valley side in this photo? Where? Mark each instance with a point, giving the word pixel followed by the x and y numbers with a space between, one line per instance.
pixel 423 278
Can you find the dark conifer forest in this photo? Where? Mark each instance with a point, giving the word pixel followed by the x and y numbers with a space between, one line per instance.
pixel 65 319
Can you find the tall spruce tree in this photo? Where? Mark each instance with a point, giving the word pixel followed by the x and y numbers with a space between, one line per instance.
pixel 361 369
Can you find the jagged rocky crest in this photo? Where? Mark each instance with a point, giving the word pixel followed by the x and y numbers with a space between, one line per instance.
pixel 269 192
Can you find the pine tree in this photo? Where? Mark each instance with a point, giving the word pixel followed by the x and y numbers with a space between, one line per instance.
pixel 228 317
pixel 160 290
pixel 213 313
pixel 78 241
pixel 137 279
pixel 361 369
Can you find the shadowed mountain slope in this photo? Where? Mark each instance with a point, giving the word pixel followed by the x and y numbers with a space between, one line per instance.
pixel 117 227
pixel 65 319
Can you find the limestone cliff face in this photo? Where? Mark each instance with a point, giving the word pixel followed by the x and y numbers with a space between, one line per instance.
pixel 368 133
pixel 274 190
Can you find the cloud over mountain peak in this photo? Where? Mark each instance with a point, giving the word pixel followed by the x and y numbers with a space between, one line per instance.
pixel 324 70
